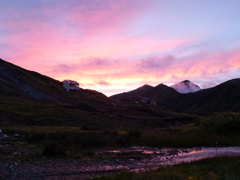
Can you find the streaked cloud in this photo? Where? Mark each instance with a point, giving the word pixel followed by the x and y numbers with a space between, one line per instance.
pixel 156 62
pixel 103 83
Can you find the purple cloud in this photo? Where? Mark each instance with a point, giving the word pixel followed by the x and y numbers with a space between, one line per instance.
pixel 156 63
pixel 206 85
pixel 103 83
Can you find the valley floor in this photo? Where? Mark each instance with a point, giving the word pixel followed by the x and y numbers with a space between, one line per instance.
pixel 64 152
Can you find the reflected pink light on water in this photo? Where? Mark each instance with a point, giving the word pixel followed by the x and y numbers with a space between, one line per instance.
pixel 168 156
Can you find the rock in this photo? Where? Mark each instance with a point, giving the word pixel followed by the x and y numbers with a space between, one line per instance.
pixel 4 137
pixel 16 135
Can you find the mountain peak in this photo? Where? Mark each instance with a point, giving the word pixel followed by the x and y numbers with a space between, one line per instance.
pixel 186 86
pixel 185 81
pixel 146 85
pixel 136 92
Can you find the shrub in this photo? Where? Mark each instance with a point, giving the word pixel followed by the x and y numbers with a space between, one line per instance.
pixel 123 141
pixel 52 149
pixel 134 133
pixel 36 137
pixel 223 122
pixel 88 128
pixel 91 141
pixel 4 152
pixel 110 132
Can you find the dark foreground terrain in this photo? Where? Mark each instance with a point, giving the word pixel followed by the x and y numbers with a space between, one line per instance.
pixel 129 165
pixel 54 152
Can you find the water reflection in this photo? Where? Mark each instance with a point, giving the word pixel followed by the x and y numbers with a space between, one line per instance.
pixel 166 156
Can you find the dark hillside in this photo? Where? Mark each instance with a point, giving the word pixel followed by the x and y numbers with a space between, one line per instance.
pixel 18 82
pixel 29 98
pixel 160 91
pixel 224 97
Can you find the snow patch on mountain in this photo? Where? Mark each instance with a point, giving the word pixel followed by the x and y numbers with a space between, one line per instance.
pixel 185 87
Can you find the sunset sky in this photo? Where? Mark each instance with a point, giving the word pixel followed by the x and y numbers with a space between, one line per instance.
pixel 114 46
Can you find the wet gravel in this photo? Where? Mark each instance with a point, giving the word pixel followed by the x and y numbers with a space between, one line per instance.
pixel 83 169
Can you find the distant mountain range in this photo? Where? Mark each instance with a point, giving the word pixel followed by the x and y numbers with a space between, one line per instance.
pixel 223 97
pixel 160 90
pixel 30 98
pixel 136 92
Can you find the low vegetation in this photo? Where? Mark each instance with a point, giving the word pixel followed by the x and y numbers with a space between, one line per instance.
pixel 226 122
pixel 65 141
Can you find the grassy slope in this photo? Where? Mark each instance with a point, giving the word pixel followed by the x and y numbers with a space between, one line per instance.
pixel 15 111
pixel 224 130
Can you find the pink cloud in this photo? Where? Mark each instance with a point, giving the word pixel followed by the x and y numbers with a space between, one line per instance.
pixel 97 16
pixel 234 59
pixel 156 63
pixel 81 29
pixel 103 83
pixel 91 41
pixel 153 70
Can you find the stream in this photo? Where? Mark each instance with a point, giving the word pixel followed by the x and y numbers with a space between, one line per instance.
pixel 165 156
pixel 144 158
